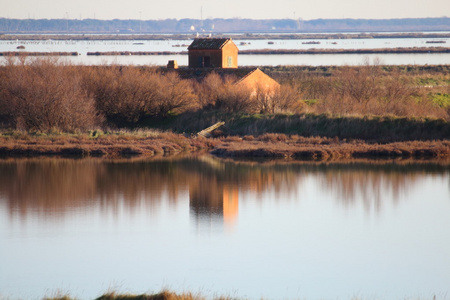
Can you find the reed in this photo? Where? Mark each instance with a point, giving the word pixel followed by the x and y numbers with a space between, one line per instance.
pixel 316 148
pixel 163 295
pixel 111 144
pixel 120 144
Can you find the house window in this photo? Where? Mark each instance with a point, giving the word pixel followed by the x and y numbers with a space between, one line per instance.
pixel 230 61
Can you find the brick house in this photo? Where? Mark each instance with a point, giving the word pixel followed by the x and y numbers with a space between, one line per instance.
pixel 213 53
pixel 221 56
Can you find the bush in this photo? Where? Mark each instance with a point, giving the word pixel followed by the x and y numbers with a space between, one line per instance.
pixel 216 92
pixel 128 95
pixel 44 95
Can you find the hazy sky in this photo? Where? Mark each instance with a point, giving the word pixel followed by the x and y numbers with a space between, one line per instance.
pixel 254 9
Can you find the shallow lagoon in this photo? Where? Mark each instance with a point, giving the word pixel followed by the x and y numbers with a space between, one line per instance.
pixel 176 46
pixel 248 229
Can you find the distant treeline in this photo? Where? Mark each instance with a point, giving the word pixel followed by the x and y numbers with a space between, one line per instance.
pixel 220 25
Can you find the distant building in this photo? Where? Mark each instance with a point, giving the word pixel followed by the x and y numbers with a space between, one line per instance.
pixel 252 78
pixel 220 55
pixel 257 80
pixel 213 53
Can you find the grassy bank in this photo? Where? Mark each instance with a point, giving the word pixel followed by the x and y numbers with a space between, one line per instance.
pixel 380 129
pixel 151 143
pixel 99 144
pixel 163 295
pixel 298 147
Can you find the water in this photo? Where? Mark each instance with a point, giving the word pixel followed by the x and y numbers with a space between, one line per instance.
pixel 246 229
pixel 84 46
pixel 177 46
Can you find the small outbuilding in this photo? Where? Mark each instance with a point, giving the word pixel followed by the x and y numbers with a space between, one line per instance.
pixel 213 53
pixel 257 80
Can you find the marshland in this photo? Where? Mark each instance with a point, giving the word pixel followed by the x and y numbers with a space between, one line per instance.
pixel 52 108
pixel 334 186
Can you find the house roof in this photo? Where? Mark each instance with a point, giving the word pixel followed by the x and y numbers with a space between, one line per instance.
pixel 208 43
pixel 200 74
pixel 247 75
pixel 257 78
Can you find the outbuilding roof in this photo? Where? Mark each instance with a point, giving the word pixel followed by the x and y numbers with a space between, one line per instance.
pixel 200 74
pixel 208 43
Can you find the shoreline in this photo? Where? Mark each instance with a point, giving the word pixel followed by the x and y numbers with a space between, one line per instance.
pixel 248 36
pixel 265 146
pixel 419 50
pixel 337 151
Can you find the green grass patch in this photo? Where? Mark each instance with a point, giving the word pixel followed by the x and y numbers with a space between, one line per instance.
pixel 442 100
pixel 427 81
pixel 310 102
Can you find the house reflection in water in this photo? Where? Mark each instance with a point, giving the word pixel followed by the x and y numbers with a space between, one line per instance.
pixel 212 200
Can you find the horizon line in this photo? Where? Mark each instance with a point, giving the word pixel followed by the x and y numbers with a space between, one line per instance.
pixel 234 18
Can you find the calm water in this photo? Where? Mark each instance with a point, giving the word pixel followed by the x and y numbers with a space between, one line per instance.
pixel 272 230
pixel 83 47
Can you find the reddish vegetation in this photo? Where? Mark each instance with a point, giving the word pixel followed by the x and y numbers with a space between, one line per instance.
pixel 42 95
pixel 282 146
pixel 364 102
pixel 268 145
pixel 111 145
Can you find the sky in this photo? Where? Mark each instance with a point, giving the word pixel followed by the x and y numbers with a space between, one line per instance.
pixel 208 9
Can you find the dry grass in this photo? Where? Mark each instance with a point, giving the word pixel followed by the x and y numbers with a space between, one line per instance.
pixel 317 148
pixel 163 295
pixel 111 144
pixel 151 143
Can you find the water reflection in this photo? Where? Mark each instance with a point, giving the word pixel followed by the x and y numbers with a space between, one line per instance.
pixel 300 230
pixel 368 183
pixel 53 188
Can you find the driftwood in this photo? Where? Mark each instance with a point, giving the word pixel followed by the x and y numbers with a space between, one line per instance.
pixel 207 131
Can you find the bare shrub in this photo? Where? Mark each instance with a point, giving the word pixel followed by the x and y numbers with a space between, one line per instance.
pixel 235 98
pixel 265 101
pixel 314 87
pixel 123 95
pixel 127 95
pixel 173 95
pixel 43 94
pixel 288 99
pixel 358 84
pixel 209 89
